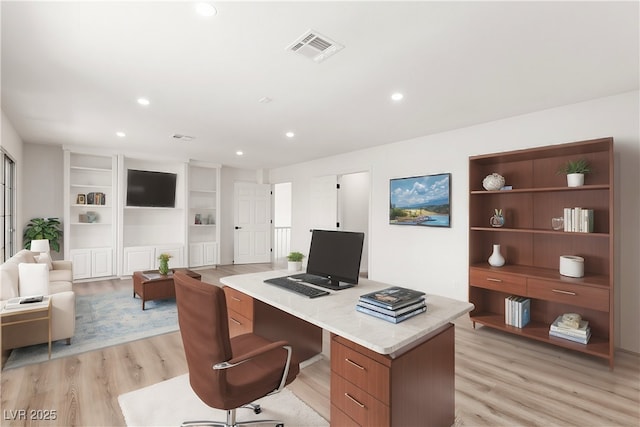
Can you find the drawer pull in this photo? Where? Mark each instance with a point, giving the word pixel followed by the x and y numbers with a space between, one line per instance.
pixel 235 299
pixel 354 363
pixel 235 321
pixel 558 291
pixel 491 279
pixel 354 400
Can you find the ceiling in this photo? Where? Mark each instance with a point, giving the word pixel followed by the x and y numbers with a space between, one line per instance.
pixel 72 72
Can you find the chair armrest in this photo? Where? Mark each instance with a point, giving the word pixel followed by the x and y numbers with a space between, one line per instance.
pixel 257 353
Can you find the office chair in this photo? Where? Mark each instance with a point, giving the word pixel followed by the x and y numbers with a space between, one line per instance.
pixel 227 373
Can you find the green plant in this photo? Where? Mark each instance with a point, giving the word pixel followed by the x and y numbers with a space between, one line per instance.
pixel 295 256
pixel 575 166
pixel 43 228
pixel 164 263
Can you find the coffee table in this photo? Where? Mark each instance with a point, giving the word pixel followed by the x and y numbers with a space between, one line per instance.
pixel 151 285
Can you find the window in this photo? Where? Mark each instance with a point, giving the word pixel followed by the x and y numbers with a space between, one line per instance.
pixel 8 207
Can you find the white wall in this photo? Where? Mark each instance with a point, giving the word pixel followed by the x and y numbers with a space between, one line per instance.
pixel 435 260
pixel 12 144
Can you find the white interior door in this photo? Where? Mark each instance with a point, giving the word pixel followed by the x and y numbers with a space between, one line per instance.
pixel 324 202
pixel 252 228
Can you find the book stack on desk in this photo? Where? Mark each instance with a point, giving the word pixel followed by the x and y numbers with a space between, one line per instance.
pixel 393 304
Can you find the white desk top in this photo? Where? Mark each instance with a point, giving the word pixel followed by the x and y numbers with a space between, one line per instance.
pixel 337 312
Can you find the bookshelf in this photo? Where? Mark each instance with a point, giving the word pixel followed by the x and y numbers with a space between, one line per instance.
pixel 532 248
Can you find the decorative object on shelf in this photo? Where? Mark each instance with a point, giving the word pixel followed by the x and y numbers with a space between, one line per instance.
pixel 497 220
pixel 421 200
pixel 493 182
pixel 496 259
pixel 575 171
pixel 198 219
pixel 83 218
pixel 294 261
pixel 557 223
pixel 43 228
pixel 211 220
pixel 571 266
pixel 81 199
pixel 164 264
pixel 92 217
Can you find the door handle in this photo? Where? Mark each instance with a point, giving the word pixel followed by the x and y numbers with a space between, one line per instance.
pixel 237 228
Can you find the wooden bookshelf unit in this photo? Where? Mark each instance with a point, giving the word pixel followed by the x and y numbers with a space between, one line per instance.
pixel 532 248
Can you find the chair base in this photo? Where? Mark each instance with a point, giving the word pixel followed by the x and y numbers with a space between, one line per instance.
pixel 231 419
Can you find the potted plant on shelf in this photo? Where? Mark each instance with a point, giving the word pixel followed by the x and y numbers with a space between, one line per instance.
pixel 43 228
pixel 164 264
pixel 575 171
pixel 295 261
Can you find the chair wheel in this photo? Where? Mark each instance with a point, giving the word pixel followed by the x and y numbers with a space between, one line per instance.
pixel 257 410
pixel 279 425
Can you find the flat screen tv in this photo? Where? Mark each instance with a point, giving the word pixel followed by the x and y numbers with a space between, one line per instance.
pixel 336 256
pixel 151 189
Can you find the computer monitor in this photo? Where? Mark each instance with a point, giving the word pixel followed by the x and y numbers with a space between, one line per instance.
pixel 336 256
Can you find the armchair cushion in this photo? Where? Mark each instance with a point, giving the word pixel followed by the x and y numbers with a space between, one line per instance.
pixel 9 276
pixel 44 258
pixel 34 279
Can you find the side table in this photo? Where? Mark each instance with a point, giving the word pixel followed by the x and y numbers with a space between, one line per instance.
pixel 27 313
pixel 151 285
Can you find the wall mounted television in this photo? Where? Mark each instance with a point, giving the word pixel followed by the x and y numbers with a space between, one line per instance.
pixel 151 189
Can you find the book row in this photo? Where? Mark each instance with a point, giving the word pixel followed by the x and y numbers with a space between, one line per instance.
pixel 578 220
pixel 517 311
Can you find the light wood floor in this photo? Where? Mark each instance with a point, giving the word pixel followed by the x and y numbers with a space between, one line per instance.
pixel 501 380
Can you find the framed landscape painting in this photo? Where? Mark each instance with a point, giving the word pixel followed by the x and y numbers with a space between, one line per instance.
pixel 421 200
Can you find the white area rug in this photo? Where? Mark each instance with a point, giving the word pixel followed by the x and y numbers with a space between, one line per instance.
pixel 171 402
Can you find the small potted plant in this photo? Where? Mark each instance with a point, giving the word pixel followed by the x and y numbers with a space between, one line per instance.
pixel 164 264
pixel 295 261
pixel 575 171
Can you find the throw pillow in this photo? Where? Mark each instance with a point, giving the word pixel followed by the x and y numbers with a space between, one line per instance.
pixel 34 279
pixel 44 258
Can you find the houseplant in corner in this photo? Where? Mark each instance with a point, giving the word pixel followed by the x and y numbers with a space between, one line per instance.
pixel 43 228
pixel 164 264
pixel 575 171
pixel 295 261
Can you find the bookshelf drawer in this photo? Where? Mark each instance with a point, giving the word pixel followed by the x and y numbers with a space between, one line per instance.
pixel 503 282
pixel 579 295
pixel 363 408
pixel 360 370
pixel 238 324
pixel 239 302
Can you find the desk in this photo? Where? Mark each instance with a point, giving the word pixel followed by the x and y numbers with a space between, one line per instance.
pixel 381 373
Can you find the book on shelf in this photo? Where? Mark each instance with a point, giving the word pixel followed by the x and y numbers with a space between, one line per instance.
pixel 392 319
pixel 397 312
pixel 581 340
pixel 578 220
pixel 392 298
pixel 517 311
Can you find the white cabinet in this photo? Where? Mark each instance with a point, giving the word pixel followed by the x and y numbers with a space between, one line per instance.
pixel 91 263
pixel 90 213
pixel 203 214
pixel 141 258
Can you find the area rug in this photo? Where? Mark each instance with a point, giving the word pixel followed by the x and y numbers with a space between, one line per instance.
pixel 103 320
pixel 171 402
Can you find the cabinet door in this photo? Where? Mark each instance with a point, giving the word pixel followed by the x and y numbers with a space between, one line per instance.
pixel 210 253
pixel 196 255
pixel 81 260
pixel 138 259
pixel 101 262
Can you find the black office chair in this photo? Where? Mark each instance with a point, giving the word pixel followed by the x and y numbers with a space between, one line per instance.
pixel 227 373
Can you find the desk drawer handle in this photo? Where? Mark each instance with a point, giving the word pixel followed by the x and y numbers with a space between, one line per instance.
pixel 235 321
pixel 235 299
pixel 354 363
pixel 558 291
pixel 491 279
pixel 354 400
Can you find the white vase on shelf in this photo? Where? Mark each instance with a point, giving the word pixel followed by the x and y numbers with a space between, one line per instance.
pixel 496 259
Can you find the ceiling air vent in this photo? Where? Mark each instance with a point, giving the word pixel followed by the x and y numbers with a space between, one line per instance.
pixel 314 46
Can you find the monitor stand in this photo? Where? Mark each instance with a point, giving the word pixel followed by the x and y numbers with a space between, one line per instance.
pixel 323 282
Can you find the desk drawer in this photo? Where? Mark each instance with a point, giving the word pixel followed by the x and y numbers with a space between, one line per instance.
pixel 503 282
pixel 238 324
pixel 363 408
pixel 567 293
pixel 360 370
pixel 239 302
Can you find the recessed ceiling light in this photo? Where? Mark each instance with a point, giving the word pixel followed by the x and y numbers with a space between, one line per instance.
pixel 397 96
pixel 239 153
pixel 290 134
pixel 143 101
pixel 121 134
pixel 205 9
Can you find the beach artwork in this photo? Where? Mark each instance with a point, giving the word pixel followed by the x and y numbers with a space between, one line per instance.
pixel 421 200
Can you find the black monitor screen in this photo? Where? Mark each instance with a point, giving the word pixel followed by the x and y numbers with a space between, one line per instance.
pixel 336 255
pixel 151 189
